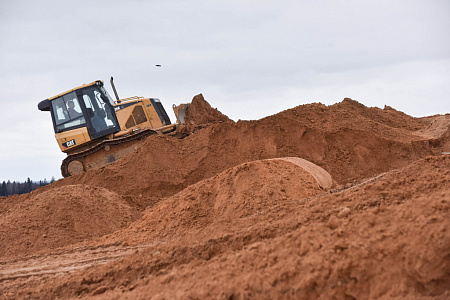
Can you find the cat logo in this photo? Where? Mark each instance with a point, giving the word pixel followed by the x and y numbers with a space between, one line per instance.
pixel 68 144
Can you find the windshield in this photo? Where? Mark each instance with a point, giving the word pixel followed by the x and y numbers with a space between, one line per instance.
pixel 67 112
pixel 99 109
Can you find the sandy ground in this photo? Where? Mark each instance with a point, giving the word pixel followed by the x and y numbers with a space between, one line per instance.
pixel 315 202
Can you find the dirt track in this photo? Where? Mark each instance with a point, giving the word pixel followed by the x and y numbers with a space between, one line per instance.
pixel 213 216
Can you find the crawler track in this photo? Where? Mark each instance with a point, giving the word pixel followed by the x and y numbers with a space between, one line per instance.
pixel 101 145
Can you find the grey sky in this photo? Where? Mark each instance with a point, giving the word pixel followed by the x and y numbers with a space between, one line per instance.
pixel 250 59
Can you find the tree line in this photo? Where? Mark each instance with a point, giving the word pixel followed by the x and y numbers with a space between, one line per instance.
pixel 8 188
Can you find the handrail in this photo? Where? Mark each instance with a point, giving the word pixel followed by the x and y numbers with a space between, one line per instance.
pixel 129 99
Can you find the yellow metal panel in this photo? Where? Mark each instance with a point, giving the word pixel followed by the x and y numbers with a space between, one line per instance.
pixel 152 115
pixel 153 120
pixel 67 140
pixel 123 115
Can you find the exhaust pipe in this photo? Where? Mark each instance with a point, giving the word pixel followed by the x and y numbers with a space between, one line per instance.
pixel 114 88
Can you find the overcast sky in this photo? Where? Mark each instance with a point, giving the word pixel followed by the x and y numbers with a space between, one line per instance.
pixel 249 59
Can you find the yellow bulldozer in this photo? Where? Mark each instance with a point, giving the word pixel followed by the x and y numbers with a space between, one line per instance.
pixel 94 130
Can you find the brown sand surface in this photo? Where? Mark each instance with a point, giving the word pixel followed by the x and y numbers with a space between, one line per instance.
pixel 385 238
pixel 213 215
pixel 347 139
pixel 236 198
pixel 60 217
pixel 200 113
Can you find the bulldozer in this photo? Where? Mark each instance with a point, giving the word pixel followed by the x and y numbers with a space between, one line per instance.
pixel 95 130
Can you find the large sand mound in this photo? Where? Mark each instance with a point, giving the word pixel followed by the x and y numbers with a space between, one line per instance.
pixel 385 238
pixel 218 205
pixel 400 252
pixel 61 216
pixel 347 139
pixel 201 113
pixel 234 211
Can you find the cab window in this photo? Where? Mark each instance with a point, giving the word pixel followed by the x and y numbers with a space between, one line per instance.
pixel 67 112
pixel 99 110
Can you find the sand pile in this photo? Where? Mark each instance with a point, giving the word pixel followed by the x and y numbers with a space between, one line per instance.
pixel 438 132
pixel 60 217
pixel 201 113
pixel 217 205
pixel 400 251
pixel 386 238
pixel 224 219
pixel 347 139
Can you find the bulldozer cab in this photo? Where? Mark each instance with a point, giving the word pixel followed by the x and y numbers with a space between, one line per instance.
pixel 88 107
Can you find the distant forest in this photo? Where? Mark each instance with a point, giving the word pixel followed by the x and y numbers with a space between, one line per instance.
pixel 11 188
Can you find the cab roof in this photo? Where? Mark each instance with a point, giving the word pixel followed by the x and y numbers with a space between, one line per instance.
pixel 97 82
pixel 44 105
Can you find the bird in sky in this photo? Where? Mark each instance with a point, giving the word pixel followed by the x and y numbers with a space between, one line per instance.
pixel 158 65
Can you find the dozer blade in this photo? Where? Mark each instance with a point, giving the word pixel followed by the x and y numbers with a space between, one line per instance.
pixel 180 112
